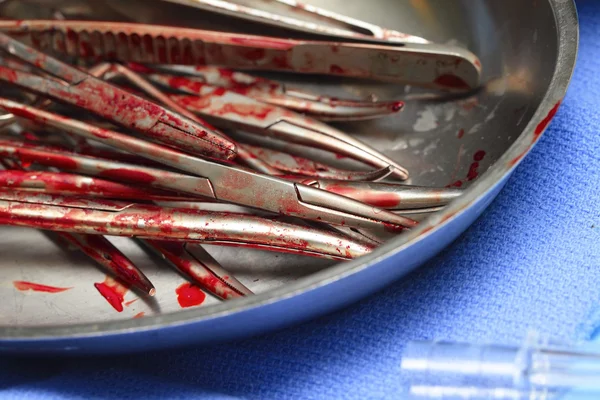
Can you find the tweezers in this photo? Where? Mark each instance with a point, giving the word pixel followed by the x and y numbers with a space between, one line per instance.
pixel 82 90
pixel 426 65
pixel 105 217
pixel 349 28
pixel 272 92
pixel 223 182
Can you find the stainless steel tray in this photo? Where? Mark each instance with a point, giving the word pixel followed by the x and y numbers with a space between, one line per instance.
pixel 528 50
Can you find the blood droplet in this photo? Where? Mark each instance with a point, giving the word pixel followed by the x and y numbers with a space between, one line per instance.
pixel 189 295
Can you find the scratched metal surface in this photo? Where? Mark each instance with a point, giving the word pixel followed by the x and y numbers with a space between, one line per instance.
pixel 435 140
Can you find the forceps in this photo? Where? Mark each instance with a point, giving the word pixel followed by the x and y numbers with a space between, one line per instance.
pixel 226 108
pixel 426 65
pixel 222 182
pixel 268 91
pixel 79 215
pixel 96 247
pixel 82 90
pixel 189 259
pixel 247 113
pixel 343 27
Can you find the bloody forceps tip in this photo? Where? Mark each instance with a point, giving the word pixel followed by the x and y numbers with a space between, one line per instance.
pixel 79 89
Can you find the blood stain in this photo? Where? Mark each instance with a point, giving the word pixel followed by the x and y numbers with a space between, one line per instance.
pixel 541 127
pixel 129 175
pixel 335 69
pixel 36 287
pixel 139 315
pixel 127 304
pixel 397 106
pixel 113 292
pixel 451 82
pixel 189 295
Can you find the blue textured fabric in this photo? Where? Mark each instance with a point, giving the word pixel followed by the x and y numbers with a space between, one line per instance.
pixel 531 262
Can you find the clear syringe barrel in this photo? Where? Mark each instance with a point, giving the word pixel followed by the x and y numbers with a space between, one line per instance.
pixel 534 370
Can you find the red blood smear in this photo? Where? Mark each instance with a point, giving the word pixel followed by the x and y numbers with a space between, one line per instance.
pixel 393 228
pixel 180 82
pixel 247 110
pixel 139 68
pixel 86 49
pixel 56 160
pixel 130 302
pixel 188 57
pixel 112 294
pixel 397 106
pixel 129 175
pixel 219 91
pixel 479 155
pixel 71 36
pixel 477 63
pixel 9 74
pixel 461 133
pixel 546 121
pixel 280 62
pixel 381 200
pixel 253 54
pixel 136 41
pixel 148 44
pixel 189 295
pixel 139 315
pixel 455 184
pixel 515 160
pixel 225 73
pixel 451 81
pixel 161 52
pixel 175 53
pixel 280 44
pixel 30 136
pixel 36 287
pixel 335 69
pixel 473 171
